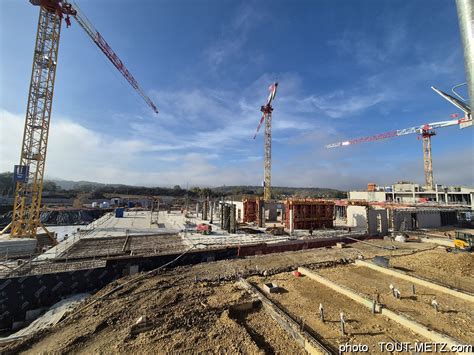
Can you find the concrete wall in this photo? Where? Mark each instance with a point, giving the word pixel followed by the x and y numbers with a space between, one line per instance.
pixel 377 196
pixel 239 210
pixel 416 219
pixel 431 219
pixel 375 221
pixel 378 222
pixel 356 216
pixel 408 187
pixel 271 209
pixel 405 198
pixel 399 217
pixel 402 196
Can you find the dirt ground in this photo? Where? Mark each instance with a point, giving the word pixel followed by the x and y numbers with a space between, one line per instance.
pixel 453 269
pixel 455 315
pixel 185 318
pixel 301 297
pixel 188 310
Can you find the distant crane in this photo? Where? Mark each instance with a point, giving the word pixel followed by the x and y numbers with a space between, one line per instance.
pixel 426 131
pixel 28 175
pixel 267 117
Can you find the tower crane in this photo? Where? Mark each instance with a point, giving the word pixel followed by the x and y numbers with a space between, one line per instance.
pixel 267 117
pixel 28 175
pixel 426 131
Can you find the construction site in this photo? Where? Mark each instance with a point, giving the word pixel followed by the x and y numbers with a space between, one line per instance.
pixel 387 269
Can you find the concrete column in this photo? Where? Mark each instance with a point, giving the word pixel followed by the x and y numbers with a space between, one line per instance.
pixel 232 220
pixel 205 209
pixel 261 214
pixel 292 228
pixel 212 212
pixel 222 214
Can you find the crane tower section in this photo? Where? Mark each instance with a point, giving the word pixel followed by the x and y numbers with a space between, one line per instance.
pixel 267 192
pixel 427 159
pixel 29 173
pixel 267 118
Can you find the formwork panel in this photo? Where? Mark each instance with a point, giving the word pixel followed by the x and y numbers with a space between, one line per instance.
pixel 250 210
pixel 309 213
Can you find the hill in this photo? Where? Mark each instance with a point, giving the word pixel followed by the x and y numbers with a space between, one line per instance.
pixel 68 189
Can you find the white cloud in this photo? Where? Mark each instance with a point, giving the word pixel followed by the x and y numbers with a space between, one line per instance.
pixel 341 104
pixel 204 137
pixel 78 153
pixel 234 36
pixel 368 50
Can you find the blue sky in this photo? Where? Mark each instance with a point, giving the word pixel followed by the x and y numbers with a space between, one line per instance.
pixel 346 69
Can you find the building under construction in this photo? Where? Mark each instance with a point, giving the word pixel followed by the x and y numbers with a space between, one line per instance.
pixel 384 268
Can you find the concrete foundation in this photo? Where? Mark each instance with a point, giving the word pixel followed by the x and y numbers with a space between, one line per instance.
pixel 416 280
pixel 293 328
pixel 410 324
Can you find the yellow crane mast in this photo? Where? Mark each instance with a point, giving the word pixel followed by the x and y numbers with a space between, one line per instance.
pixel 267 117
pixel 29 174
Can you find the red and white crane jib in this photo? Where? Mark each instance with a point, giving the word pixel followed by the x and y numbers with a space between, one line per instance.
pixel 259 125
pixel 110 54
pixel 271 96
pixel 273 90
pixel 462 122
pixel 64 7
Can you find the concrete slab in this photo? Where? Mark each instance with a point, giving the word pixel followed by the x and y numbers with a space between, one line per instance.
pixel 13 247
pixel 144 223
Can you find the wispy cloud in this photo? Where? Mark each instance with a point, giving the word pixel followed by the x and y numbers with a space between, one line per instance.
pixel 368 50
pixel 341 103
pixel 234 36
pixel 78 153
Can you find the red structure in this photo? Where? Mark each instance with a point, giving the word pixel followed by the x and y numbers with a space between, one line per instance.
pixel 309 213
pixel 250 209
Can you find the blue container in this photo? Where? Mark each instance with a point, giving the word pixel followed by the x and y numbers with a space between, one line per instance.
pixel 130 204
pixel 119 212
